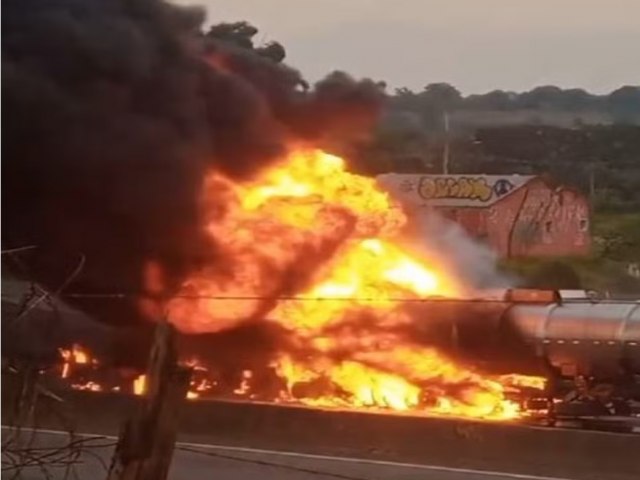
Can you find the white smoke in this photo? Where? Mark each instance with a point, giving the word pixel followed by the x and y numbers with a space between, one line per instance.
pixel 475 263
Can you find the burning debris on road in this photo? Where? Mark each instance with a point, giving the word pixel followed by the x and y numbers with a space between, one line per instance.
pixel 317 252
pixel 329 243
pixel 491 398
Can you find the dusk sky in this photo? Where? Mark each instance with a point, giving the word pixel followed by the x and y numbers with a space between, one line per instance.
pixel 476 45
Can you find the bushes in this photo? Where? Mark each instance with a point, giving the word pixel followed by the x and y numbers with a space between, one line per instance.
pixel 616 244
pixel 555 274
pixel 590 273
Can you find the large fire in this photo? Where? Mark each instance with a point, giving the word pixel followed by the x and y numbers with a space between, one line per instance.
pixel 316 250
pixel 306 244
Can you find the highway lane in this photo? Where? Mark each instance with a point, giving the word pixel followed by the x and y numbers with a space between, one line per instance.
pixel 477 445
pixel 203 462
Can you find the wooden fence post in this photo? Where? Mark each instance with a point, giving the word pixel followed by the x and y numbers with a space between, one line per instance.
pixel 145 447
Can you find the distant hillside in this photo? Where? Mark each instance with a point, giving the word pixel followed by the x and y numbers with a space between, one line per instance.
pixel 545 105
pixel 469 120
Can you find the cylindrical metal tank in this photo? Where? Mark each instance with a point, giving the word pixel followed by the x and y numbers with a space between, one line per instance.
pixel 582 337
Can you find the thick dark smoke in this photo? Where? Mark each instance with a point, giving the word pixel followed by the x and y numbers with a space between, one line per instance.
pixel 113 111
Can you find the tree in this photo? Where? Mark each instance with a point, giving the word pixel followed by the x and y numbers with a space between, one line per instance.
pixel 240 34
pixel 237 33
pixel 441 96
pixel 494 100
pixel 556 275
pixel 545 97
pixel 576 99
pixel 405 100
pixel 273 51
pixel 624 104
pixel 434 100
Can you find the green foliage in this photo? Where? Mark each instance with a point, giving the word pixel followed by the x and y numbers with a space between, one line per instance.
pixel 616 246
pixel 555 274
pixel 601 161
pixel 617 236
pixel 625 103
pixel 621 106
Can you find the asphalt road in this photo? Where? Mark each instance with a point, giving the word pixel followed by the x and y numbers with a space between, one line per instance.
pixel 205 462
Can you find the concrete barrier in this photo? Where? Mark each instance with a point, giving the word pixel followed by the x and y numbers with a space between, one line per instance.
pixel 481 445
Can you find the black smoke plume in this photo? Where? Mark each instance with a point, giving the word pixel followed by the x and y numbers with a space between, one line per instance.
pixel 113 110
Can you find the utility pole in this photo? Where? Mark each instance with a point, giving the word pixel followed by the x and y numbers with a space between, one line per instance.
pixel 592 182
pixel 146 443
pixel 445 152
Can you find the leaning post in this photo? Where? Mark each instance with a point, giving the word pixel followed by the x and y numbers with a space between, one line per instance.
pixel 146 443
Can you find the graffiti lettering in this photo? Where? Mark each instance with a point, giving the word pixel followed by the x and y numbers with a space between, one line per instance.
pixel 406 186
pixel 468 188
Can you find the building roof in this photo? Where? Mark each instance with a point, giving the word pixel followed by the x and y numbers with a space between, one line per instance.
pixel 461 190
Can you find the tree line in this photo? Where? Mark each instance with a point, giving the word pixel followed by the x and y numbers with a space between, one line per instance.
pixel 592 142
pixel 621 106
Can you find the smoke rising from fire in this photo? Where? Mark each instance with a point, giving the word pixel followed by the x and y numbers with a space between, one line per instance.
pixel 472 261
pixel 114 111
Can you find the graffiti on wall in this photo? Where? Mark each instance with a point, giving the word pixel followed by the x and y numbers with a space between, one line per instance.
pixel 463 188
pixel 455 190
pixel 552 217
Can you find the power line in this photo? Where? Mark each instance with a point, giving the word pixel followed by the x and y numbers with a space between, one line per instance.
pixel 294 298
pixel 129 295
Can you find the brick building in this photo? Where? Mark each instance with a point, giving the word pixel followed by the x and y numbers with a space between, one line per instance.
pixel 517 215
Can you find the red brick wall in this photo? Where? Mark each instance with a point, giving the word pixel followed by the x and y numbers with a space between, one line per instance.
pixel 535 220
pixel 552 222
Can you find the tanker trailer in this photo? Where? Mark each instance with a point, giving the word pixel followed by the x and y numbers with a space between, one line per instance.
pixel 590 349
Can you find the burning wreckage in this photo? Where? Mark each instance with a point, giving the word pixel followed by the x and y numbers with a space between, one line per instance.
pixel 360 320
pixel 164 172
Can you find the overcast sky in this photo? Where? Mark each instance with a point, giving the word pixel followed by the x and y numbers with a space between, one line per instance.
pixel 476 45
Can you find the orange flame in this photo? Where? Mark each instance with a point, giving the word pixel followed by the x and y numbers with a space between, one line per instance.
pixel 76 355
pixel 140 385
pixel 245 384
pixel 306 217
pixel 316 249
pixel 519 381
pixel 90 385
